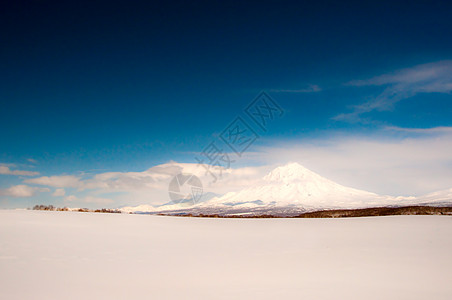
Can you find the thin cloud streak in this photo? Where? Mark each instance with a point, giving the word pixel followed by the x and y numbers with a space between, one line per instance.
pixel 22 191
pixel 433 130
pixel 5 170
pixel 313 88
pixel 426 78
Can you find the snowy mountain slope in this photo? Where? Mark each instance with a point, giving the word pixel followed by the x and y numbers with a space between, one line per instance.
pixel 443 197
pixel 294 188
pixel 183 204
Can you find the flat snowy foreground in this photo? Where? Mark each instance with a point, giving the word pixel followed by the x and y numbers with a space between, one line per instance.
pixel 70 255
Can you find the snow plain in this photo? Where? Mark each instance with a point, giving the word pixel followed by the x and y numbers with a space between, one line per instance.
pixel 70 255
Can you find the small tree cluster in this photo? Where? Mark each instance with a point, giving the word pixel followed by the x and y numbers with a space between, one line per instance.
pixel 106 210
pixel 49 207
pixel 43 207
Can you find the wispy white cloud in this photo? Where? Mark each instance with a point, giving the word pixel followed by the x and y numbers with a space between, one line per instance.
pixel 150 186
pixel 89 200
pixel 71 198
pixel 312 88
pixel 97 200
pixel 56 181
pixel 433 130
pixel 402 84
pixel 33 161
pixel 5 170
pixel 59 193
pixel 22 191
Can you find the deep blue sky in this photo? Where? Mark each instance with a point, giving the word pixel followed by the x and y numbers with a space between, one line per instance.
pixel 126 85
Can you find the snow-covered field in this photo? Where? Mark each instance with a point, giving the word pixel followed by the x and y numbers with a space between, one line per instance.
pixel 69 255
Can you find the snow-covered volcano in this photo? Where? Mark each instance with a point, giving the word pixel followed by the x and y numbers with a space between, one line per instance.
pixel 294 185
pixel 292 189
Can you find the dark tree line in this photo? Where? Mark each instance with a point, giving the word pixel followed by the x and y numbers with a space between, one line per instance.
pixel 53 208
